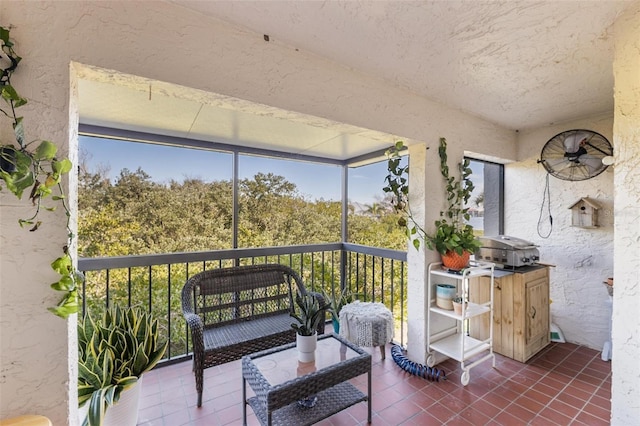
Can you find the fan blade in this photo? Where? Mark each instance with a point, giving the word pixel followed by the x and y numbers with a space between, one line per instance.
pixel 573 141
pixel 558 168
pixel 562 168
pixel 593 163
pixel 559 164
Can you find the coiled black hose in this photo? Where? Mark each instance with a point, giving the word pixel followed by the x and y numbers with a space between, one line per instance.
pixel 430 373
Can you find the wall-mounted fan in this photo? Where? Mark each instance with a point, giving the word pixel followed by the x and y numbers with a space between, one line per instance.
pixel 576 154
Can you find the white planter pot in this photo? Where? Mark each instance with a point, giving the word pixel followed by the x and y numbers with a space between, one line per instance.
pixel 306 347
pixel 124 412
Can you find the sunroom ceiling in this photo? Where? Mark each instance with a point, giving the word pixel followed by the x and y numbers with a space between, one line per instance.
pixel 519 64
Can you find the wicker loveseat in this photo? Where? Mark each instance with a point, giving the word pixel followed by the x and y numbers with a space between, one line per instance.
pixel 236 311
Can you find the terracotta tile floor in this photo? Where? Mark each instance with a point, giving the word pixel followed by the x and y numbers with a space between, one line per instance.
pixel 564 384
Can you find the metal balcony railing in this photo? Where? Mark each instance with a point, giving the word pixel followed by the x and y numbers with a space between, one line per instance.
pixel 155 281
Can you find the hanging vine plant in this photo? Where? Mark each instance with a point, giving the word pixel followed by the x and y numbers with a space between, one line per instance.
pixel 34 167
pixel 452 232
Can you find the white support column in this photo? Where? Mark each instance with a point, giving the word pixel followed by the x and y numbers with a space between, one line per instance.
pixel 625 401
pixel 424 199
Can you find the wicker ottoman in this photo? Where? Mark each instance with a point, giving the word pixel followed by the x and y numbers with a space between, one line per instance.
pixel 367 324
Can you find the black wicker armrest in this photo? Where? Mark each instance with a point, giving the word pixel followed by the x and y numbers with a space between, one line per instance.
pixel 197 328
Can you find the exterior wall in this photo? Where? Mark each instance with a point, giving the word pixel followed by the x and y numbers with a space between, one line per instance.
pixel 625 404
pixel 158 40
pixel 583 258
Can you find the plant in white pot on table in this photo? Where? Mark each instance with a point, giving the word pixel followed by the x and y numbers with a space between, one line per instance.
pixel 113 354
pixel 309 314
pixel 453 238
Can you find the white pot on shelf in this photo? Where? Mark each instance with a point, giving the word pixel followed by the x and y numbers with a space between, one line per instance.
pixel 306 346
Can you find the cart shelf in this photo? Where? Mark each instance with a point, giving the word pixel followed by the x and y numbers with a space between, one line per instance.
pixel 447 331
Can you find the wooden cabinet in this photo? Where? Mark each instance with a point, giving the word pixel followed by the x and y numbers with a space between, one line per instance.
pixel 520 312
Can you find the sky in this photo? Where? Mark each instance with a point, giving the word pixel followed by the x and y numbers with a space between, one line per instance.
pixel 164 163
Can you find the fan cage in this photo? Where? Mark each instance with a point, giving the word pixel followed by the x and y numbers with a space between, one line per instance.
pixel 575 155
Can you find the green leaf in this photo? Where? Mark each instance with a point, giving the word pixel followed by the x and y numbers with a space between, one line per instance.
pixel 18 131
pixel 18 181
pixel 67 306
pixel 19 102
pixel 46 151
pixel 4 36
pixel 62 166
pixel 8 93
pixel 65 283
pixel 23 222
pixel 62 265
pixel 97 406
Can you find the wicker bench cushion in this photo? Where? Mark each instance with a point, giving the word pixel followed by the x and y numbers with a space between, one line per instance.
pixel 246 331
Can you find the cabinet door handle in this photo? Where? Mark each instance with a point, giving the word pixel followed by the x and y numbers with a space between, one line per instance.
pixel 533 313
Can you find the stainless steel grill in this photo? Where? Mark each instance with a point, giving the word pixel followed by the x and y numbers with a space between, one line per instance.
pixel 507 252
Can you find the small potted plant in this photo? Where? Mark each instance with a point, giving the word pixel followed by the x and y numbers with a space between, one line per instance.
pixel 113 354
pixel 341 297
pixel 453 238
pixel 458 301
pixel 309 314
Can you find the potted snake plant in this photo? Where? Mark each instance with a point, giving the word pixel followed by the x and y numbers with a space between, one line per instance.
pixel 113 354
pixel 308 314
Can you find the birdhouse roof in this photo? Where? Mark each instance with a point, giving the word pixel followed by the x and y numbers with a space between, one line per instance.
pixel 587 201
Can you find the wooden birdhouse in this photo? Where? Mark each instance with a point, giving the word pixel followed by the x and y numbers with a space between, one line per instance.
pixel 584 213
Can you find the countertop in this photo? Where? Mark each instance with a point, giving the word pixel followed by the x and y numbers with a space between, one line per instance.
pixel 497 273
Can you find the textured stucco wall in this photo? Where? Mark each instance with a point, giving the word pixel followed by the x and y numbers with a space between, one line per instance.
pixel 583 258
pixel 160 41
pixel 625 404
pixel 38 352
pixel 416 259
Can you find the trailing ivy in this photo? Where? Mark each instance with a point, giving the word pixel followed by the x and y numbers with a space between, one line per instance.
pixel 397 184
pixel 34 166
pixel 452 233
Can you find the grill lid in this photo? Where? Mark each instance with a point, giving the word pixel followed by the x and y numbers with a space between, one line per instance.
pixel 505 242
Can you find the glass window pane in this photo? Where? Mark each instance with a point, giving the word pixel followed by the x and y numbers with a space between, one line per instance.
pixel 371 219
pixel 287 202
pixel 133 198
pixel 486 202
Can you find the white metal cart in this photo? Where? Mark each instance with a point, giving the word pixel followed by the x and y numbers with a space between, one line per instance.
pixel 447 332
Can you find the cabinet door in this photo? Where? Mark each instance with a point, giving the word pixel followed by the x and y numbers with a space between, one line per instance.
pixel 537 310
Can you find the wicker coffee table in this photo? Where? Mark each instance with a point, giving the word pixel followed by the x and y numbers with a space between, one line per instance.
pixel 280 381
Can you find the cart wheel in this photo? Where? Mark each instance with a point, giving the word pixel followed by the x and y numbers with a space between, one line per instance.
pixel 431 360
pixel 464 379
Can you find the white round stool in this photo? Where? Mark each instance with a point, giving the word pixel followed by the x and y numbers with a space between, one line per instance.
pixel 367 324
